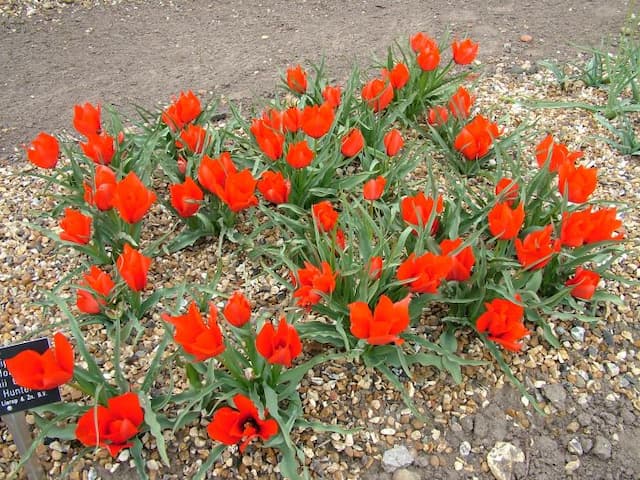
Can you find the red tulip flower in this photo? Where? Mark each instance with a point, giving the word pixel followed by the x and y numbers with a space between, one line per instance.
pixel 86 119
pixel 44 151
pixel 429 58
pixel 274 119
pixel 460 103
pixel 604 226
pixel 463 261
pixel 556 154
pixel 509 190
pixel 374 188
pixel 193 137
pixel 537 248
pixel 274 187
pixel 420 41
pixel 585 226
pixel 313 282
pixel 235 189
pixel 341 239
pixel 584 283
pixel 438 116
pixel 398 75
pixel 292 120
pixel 101 284
pixel 76 227
pixel 99 148
pixel 317 120
pixel 133 267
pixel 384 325
pixel 352 143
pixel 182 111
pixel 242 424
pixel 186 197
pixel 375 267
pixel 324 215
pixel 502 320
pixel 238 192
pixel 332 95
pixel 105 186
pixel 279 346
pixel 475 138
pixel 505 222
pixel 238 310
pixel 417 210
pixel 578 182
pixel 187 107
pixel 425 273
pixel 464 52
pixel 575 227
pixel 201 339
pixel 393 142
pixel 43 371
pixel 113 425
pixel 297 79
pixel 213 172
pixel 299 155
pixel 377 94
pixel 270 140
pixel 132 199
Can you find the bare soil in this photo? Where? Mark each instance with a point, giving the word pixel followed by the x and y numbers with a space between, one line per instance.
pixel 142 52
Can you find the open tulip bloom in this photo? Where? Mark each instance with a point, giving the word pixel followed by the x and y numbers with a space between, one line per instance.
pixel 382 326
pixel 503 323
pixel 242 424
pixel 44 151
pixel 43 371
pixel 185 109
pixel 112 426
pixel 201 339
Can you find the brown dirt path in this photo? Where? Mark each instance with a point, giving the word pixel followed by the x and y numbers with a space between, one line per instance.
pixel 141 52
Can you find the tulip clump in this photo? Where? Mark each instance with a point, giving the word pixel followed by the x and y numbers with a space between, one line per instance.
pixel 321 191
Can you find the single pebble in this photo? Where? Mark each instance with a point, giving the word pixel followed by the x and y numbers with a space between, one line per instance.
pixel 573 427
pixel 526 38
pixel 572 466
pixel 575 447
pixel 465 448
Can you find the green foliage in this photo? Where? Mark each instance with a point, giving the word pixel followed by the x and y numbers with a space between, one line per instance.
pixel 614 68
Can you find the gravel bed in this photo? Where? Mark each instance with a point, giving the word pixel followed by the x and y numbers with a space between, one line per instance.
pixel 588 388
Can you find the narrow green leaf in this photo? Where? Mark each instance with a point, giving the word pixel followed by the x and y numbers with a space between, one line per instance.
pixel 154 427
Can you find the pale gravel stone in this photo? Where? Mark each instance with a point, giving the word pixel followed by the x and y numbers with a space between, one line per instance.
pixel 612 369
pixel 601 448
pixel 578 333
pixel 501 459
pixel 575 447
pixel 555 393
pixel 572 465
pixel 404 474
pixel 465 448
pixel 397 457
